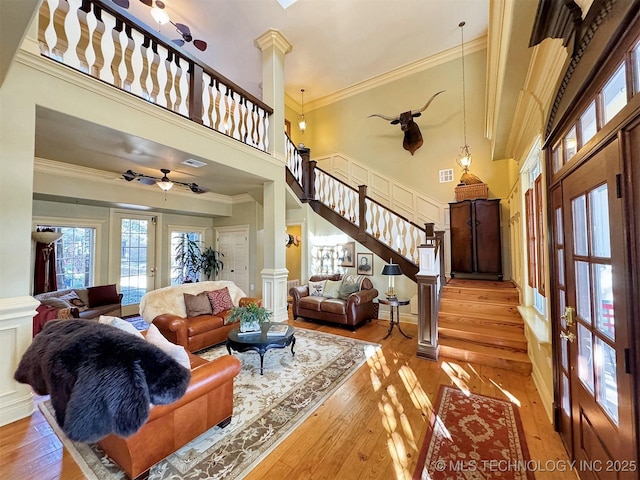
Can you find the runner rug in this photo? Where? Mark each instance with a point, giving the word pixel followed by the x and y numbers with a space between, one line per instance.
pixel 267 408
pixel 473 437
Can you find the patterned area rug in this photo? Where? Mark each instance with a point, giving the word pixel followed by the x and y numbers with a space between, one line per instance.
pixel 473 437
pixel 267 408
pixel 137 321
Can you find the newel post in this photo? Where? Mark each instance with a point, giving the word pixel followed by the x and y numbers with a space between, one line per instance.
pixel 308 174
pixel 428 279
pixel 362 214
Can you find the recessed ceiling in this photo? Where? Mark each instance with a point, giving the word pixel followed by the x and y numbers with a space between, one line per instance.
pixel 109 150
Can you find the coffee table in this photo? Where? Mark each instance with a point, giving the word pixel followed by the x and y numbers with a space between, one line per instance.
pixel 260 342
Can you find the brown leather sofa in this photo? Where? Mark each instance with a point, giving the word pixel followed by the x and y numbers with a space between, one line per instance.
pixel 207 402
pixel 165 308
pixel 352 312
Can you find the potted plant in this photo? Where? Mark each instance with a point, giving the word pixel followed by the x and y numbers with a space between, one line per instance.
pixel 193 260
pixel 251 316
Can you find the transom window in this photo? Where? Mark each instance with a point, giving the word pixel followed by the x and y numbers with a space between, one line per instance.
pixel 610 99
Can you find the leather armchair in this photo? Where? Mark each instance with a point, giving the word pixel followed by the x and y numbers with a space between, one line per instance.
pixel 207 402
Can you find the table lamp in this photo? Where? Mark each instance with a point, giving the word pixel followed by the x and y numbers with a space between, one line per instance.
pixel 391 270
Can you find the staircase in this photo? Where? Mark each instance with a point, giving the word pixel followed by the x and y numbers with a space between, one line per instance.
pixel 479 322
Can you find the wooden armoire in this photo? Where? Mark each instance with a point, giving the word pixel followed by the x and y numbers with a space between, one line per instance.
pixel 475 239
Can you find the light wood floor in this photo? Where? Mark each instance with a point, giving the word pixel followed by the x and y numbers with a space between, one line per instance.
pixel 371 428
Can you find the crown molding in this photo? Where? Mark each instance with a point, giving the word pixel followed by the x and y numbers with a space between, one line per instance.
pixel 397 74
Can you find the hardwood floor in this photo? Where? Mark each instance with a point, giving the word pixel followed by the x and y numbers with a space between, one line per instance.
pixel 371 428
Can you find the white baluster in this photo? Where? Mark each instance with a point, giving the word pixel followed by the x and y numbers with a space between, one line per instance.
pixel 72 31
pixel 138 84
pixel 108 49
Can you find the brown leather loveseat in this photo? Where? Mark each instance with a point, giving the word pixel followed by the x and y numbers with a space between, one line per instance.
pixel 165 308
pixel 352 310
pixel 207 402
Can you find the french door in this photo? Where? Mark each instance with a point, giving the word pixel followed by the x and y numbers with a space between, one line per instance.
pixel 595 408
pixel 136 257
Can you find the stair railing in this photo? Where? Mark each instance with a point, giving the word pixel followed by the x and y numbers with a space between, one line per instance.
pixel 95 38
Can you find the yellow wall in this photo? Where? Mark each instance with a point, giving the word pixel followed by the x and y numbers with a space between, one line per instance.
pixel 294 255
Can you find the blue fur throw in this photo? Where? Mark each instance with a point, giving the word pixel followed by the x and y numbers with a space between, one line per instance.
pixel 102 380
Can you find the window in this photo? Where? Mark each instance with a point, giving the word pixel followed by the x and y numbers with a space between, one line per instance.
pixel 614 94
pixel 635 58
pixel 588 125
pixel 535 238
pixel 75 256
pixel 570 144
pixel 180 271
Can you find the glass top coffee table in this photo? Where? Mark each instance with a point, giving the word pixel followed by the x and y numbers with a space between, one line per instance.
pixel 260 341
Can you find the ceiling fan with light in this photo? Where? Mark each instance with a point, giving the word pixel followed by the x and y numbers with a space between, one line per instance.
pixel 163 182
pixel 160 16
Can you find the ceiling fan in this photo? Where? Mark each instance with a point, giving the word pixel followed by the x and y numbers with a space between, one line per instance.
pixel 181 28
pixel 163 182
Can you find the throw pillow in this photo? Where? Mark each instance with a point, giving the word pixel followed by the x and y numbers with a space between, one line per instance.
pixel 74 300
pixel 196 305
pixel 315 288
pixel 332 289
pixel 350 278
pixel 121 324
pixel 177 352
pixel 103 295
pixel 220 300
pixel 347 289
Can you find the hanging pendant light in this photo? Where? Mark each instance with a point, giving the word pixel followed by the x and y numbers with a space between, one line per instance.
pixel 302 123
pixel 464 158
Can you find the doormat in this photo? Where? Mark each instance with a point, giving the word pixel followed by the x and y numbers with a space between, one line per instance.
pixel 473 436
pixel 266 409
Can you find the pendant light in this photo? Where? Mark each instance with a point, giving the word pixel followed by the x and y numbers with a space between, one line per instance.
pixel 464 158
pixel 302 123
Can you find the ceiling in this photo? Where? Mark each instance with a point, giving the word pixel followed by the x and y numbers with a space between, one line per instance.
pixel 337 44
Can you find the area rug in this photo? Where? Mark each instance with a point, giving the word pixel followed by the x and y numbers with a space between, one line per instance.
pixel 267 408
pixel 475 437
pixel 137 321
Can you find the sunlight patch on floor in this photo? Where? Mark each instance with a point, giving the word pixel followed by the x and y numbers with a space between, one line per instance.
pixel 513 399
pixel 457 375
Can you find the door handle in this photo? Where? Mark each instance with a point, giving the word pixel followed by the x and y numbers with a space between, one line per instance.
pixel 568 316
pixel 568 336
pixel 152 272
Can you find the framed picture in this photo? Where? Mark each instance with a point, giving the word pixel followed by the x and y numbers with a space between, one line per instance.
pixel 365 264
pixel 347 254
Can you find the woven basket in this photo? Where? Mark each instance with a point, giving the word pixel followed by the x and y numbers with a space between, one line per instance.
pixel 471 192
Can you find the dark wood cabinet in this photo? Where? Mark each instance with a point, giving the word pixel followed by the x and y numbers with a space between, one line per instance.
pixel 476 249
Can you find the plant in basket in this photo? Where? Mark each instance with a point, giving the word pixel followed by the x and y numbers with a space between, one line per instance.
pixel 251 317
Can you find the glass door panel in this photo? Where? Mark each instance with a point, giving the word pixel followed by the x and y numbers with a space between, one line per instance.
pixel 135 269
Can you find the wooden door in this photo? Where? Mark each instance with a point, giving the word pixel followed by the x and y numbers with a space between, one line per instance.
pixel 596 410
pixel 461 237
pixel 488 253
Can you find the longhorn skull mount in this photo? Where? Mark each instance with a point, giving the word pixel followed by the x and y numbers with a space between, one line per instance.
pixel 412 136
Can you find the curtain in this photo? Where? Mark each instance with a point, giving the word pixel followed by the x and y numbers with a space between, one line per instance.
pixel 44 277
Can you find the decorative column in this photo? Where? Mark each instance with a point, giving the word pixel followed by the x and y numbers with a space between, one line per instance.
pixel 274 46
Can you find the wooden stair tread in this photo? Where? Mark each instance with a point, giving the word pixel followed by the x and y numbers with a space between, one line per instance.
pixel 468 305
pixel 488 284
pixel 505 333
pixel 492 356
pixel 481 318
pixel 501 298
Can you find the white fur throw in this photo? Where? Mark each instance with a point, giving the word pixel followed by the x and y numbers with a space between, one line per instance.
pixel 171 299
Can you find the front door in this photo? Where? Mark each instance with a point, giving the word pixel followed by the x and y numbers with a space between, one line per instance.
pixel 596 415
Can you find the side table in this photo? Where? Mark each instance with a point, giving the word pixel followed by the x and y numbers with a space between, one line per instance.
pixel 394 303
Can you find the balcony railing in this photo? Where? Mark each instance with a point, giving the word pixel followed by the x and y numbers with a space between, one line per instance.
pixel 95 38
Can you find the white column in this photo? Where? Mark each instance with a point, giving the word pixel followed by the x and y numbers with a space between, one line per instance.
pixel 274 46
